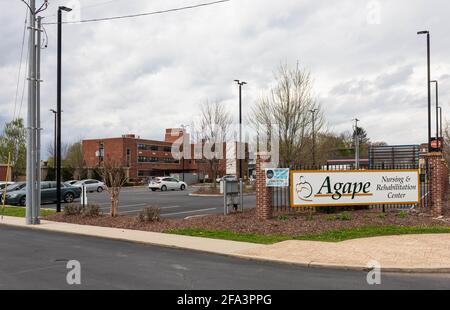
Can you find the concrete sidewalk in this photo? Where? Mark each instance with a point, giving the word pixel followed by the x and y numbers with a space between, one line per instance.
pixel 410 253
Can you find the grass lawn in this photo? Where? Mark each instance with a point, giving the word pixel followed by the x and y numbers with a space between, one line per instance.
pixel 20 212
pixel 331 236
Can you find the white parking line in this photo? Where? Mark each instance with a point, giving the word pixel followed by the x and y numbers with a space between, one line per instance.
pixel 186 212
pixel 129 206
pixel 137 210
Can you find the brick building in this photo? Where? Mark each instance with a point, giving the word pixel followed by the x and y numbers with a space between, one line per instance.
pixel 148 158
pixel 4 171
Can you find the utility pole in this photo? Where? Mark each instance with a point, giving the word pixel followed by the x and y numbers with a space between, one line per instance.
pixel 31 116
pixel 58 108
pixel 356 144
pixel 314 135
pixel 37 188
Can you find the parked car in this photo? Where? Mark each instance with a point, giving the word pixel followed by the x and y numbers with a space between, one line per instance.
pixel 165 183
pixel 228 177
pixel 48 194
pixel 16 186
pixel 5 184
pixel 91 185
pixel 72 182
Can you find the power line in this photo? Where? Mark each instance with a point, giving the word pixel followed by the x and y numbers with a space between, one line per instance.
pixel 20 62
pixel 143 14
pixel 89 6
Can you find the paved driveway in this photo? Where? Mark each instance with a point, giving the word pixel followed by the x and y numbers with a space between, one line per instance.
pixel 33 259
pixel 173 204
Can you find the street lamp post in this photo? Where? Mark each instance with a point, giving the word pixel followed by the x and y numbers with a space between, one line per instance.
pixel 314 135
pixel 54 138
pixel 437 111
pixel 58 108
pixel 429 86
pixel 184 132
pixel 240 83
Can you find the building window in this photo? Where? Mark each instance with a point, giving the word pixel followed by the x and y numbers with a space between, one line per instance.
pixel 164 160
pixel 146 147
pixel 128 159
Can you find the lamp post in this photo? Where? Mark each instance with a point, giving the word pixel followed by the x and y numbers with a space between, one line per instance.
pixel 54 138
pixel 356 144
pixel 437 111
pixel 184 132
pixel 429 86
pixel 314 135
pixel 240 83
pixel 58 108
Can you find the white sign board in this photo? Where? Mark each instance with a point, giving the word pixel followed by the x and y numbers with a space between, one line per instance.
pixel 277 177
pixel 347 188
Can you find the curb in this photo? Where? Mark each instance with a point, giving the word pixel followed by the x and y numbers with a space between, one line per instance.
pixel 216 195
pixel 330 266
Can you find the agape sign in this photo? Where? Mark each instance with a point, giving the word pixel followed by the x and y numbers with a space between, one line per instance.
pixel 346 188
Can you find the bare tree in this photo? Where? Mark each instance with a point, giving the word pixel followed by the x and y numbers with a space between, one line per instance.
pixel 287 111
pixel 114 177
pixel 51 152
pixel 75 160
pixel 213 126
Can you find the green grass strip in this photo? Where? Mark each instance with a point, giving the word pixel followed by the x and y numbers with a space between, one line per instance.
pixel 20 212
pixel 330 236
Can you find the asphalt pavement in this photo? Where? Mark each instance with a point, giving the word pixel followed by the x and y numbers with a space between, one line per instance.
pixel 33 259
pixel 173 204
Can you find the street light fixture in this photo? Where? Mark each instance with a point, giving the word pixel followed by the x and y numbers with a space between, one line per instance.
pixel 58 108
pixel 429 86
pixel 240 83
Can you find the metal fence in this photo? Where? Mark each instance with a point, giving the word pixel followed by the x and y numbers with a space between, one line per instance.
pixel 281 196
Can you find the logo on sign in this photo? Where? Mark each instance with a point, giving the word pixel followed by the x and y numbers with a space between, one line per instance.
pixel 304 190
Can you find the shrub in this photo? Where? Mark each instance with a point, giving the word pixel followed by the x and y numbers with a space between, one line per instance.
pixel 72 209
pixel 382 215
pixel 283 217
pixel 403 214
pixel 149 214
pixel 345 217
pixel 90 210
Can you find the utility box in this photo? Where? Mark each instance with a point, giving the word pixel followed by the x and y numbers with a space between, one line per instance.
pixel 232 187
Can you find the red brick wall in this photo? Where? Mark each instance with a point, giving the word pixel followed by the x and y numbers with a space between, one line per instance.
pixel 439 183
pixel 264 208
pixel 3 173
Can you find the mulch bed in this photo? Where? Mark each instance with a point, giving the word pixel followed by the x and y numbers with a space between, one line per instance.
pixel 298 224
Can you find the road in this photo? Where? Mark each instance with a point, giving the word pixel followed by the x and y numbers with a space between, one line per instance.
pixel 173 204
pixel 34 259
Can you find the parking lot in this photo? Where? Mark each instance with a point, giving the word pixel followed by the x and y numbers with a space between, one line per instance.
pixel 173 204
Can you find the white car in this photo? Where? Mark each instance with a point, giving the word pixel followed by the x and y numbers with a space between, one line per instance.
pixel 166 183
pixel 91 185
pixel 228 177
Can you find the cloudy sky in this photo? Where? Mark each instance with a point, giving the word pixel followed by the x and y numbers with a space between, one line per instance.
pixel 146 74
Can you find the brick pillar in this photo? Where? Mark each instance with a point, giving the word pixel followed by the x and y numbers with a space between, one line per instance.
pixel 263 194
pixel 439 183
